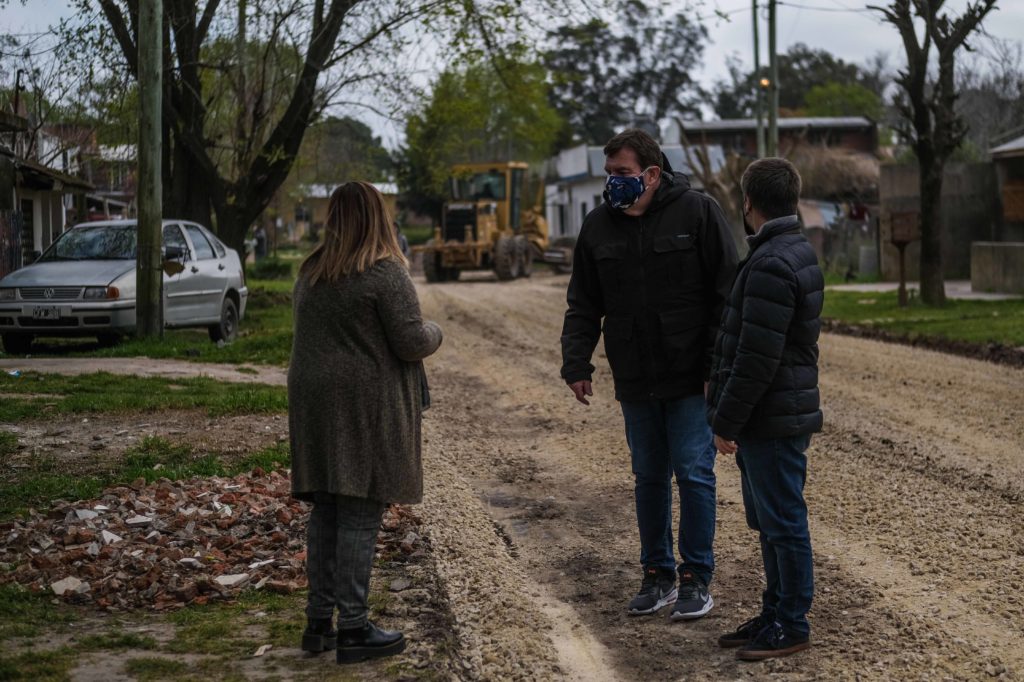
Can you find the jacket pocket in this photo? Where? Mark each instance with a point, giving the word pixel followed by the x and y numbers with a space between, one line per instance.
pixel 620 348
pixel 675 263
pixel 683 339
pixel 611 264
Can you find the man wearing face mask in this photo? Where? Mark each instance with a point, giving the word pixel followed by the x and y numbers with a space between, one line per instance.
pixel 652 268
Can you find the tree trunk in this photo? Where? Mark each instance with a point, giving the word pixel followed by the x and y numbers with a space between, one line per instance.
pixel 190 188
pixel 933 290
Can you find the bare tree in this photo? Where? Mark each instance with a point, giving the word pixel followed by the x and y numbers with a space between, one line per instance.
pixel 927 106
pixel 244 79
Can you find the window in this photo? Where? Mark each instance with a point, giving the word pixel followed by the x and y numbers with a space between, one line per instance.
pixel 217 245
pixel 583 212
pixel 174 237
pixel 203 249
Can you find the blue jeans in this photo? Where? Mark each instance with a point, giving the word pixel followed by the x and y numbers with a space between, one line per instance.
pixel 341 540
pixel 666 437
pixel 773 472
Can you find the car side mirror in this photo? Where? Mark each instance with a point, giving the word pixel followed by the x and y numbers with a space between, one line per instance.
pixel 174 253
pixel 36 255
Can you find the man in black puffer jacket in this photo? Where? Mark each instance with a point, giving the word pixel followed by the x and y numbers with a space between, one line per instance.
pixel 763 402
pixel 655 262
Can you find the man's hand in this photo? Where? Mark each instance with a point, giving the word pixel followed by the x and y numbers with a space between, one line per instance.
pixel 726 447
pixel 581 389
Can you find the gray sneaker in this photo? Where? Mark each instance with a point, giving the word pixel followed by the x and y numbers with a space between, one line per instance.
pixel 657 591
pixel 694 599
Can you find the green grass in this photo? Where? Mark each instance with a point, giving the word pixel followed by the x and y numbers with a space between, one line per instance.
pixel 153 458
pixel 146 669
pixel 8 443
pixel 418 235
pixel 27 614
pixel 217 628
pixel 39 665
pixel 972 321
pixel 116 640
pixel 47 395
pixel 265 335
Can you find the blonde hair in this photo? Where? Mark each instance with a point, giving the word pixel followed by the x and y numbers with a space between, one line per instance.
pixel 358 233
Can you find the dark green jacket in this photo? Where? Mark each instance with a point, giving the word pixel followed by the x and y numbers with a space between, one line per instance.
pixel 354 393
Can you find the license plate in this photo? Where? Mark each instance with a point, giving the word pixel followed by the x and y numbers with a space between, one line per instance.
pixel 46 312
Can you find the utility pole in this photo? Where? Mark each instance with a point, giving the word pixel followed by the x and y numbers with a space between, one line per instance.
pixel 773 87
pixel 149 274
pixel 759 94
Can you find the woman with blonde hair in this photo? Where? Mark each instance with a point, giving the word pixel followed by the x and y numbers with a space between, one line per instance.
pixel 355 397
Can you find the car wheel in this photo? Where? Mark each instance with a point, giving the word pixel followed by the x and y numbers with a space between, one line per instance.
pixel 108 340
pixel 17 344
pixel 227 329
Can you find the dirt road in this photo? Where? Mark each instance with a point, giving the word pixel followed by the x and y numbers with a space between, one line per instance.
pixel 915 491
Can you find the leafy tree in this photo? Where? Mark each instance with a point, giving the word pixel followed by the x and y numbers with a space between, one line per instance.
pixel 801 69
pixel 493 110
pixel 604 75
pixel 927 104
pixel 842 99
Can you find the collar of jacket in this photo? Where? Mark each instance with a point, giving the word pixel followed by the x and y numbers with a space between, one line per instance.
pixel 773 228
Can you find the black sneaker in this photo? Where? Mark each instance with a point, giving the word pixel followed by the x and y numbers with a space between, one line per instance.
pixel 694 598
pixel 657 591
pixel 368 642
pixel 745 633
pixel 319 636
pixel 772 642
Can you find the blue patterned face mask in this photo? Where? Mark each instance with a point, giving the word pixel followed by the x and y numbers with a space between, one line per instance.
pixel 622 191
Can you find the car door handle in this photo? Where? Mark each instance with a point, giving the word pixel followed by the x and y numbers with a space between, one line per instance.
pixel 220 266
pixel 195 269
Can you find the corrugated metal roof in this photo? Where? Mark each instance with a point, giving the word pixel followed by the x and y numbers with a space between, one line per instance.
pixel 1011 148
pixel 798 122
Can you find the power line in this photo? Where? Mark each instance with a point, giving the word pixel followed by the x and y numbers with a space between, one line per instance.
pixel 841 9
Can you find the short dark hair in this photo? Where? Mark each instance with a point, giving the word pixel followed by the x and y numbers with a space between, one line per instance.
pixel 773 187
pixel 646 148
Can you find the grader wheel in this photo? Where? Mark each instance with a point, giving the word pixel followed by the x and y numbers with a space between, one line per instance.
pixel 525 252
pixel 506 259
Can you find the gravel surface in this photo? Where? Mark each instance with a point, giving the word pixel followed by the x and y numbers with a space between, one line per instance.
pixel 915 490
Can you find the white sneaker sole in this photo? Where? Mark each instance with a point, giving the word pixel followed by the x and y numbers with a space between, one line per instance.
pixel 693 615
pixel 669 598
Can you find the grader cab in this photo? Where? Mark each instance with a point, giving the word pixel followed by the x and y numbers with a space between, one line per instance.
pixel 485 226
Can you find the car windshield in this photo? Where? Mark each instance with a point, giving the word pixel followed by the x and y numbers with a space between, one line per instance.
pixel 97 242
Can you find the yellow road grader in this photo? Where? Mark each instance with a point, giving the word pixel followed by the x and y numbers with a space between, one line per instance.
pixel 485 226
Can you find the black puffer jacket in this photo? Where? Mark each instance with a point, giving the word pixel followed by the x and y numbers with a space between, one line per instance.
pixel 659 281
pixel 764 376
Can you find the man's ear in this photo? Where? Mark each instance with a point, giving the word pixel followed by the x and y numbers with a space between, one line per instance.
pixel 747 206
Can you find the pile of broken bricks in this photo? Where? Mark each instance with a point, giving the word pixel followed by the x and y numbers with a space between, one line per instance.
pixel 167 544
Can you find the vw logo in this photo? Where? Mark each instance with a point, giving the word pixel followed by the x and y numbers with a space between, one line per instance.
pixel 48 292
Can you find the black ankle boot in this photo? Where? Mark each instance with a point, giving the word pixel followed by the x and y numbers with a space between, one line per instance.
pixel 320 635
pixel 368 642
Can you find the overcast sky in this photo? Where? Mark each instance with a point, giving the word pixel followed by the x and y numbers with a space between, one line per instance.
pixel 843 27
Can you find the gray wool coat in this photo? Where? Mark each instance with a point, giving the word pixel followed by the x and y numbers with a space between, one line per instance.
pixel 354 395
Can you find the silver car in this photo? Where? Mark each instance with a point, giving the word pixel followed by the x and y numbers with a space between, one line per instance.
pixel 84 285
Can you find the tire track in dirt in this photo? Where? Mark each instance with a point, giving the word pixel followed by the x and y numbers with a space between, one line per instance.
pixel 899 591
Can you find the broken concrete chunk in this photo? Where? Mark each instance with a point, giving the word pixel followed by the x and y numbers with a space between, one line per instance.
pixel 70 584
pixel 192 562
pixel 110 538
pixel 232 580
pixel 257 564
pixel 84 514
pixel 138 520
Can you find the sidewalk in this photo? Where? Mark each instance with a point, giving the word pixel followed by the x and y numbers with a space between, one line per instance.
pixel 955 289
